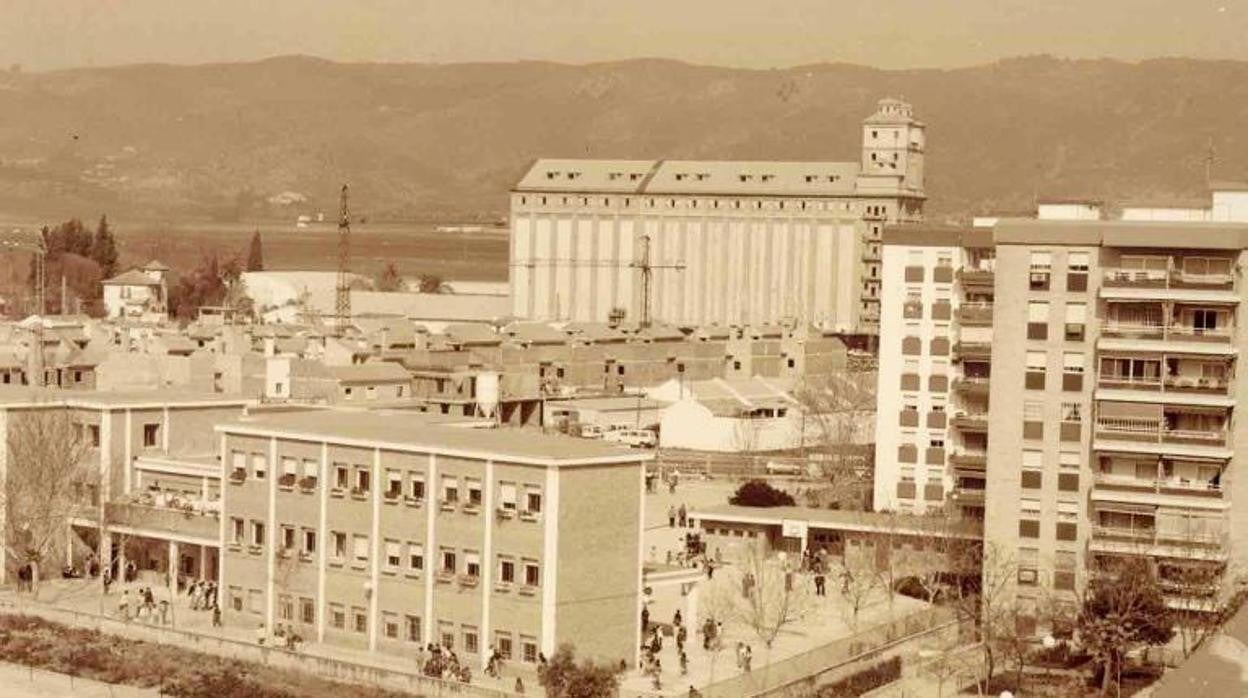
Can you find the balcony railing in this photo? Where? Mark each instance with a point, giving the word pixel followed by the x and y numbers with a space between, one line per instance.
pixel 1172 279
pixel 973 349
pixel 976 276
pixel 1150 431
pixel 1172 384
pixel 1175 332
pixel 201 521
pixel 971 421
pixel 1159 485
pixel 975 313
pixel 969 458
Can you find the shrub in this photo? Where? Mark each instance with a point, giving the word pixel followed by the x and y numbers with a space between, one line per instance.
pixel 757 493
pixel 864 681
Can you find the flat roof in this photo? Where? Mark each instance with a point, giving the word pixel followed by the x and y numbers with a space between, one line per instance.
pixel 865 521
pixel 921 235
pixel 1120 233
pixel 413 432
pixel 706 177
pixel 28 396
pixel 608 404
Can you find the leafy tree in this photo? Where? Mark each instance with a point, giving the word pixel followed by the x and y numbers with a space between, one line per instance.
pixel 104 249
pixel 1123 609
pixel 209 284
pixel 757 493
pixel 389 279
pixel 432 283
pixel 563 677
pixel 255 254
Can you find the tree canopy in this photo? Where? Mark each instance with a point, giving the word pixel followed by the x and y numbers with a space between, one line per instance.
pixel 757 493
pixel 1123 609
pixel 255 254
pixel 563 677
pixel 389 279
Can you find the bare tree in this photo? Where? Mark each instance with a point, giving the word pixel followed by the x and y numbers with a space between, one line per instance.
pixel 716 605
pixel 46 480
pixel 1210 596
pixel 858 581
pixel 836 410
pixel 985 601
pixel 775 598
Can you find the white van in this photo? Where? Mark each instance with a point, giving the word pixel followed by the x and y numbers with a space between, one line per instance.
pixel 635 438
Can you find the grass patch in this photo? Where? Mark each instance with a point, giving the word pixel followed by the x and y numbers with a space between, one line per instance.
pixel 33 641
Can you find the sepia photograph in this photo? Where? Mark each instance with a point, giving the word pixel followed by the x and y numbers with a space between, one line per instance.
pixel 586 349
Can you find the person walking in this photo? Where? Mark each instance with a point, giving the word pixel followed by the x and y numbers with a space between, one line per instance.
pixel 519 686
pixel 216 616
pixel 747 657
pixel 671 516
pixel 123 605
pixel 684 664
pixel 683 515
pixel 682 636
pixel 820 584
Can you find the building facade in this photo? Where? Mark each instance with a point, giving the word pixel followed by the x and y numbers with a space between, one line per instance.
pixel 385 532
pixel 720 242
pixel 1113 348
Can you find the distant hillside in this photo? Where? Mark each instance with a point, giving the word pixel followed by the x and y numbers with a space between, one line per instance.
pixel 428 141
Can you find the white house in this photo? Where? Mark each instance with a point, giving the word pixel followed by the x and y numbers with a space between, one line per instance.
pixel 139 294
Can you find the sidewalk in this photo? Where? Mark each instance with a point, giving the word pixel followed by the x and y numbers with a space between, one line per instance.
pixel 27 682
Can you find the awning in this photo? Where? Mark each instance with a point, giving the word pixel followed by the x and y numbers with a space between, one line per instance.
pixel 1129 410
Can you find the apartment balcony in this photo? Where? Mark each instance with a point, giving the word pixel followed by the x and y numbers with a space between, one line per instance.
pixel 1172 284
pixel 971 421
pixel 969 459
pixel 1128 435
pixel 973 350
pixel 971 385
pixel 975 314
pixel 1172 338
pixel 1167 492
pixel 976 276
pixel 967 496
pixel 1188 545
pixel 1182 390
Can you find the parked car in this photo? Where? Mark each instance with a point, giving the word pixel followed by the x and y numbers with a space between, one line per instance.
pixel 635 438
pixel 592 431
pixel 783 468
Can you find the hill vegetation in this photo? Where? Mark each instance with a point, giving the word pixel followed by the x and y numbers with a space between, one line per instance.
pixel 273 139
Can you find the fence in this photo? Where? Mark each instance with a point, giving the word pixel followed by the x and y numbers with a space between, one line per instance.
pixel 779 676
pixel 275 657
pixel 732 465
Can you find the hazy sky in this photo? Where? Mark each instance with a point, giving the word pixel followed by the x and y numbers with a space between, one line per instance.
pixel 51 34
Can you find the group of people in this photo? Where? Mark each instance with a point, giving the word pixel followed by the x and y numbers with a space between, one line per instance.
pixel 284 636
pixel 442 663
pixel 652 646
pixel 678 516
pixel 143 605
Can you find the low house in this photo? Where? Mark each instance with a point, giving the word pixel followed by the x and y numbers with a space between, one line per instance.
pixel 138 294
pixel 731 415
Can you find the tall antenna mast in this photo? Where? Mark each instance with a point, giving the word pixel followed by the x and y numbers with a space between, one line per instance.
pixel 1210 157
pixel 342 298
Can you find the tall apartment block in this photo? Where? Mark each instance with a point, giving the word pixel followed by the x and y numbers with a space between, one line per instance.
pixel 1107 351
pixel 386 532
pixel 731 243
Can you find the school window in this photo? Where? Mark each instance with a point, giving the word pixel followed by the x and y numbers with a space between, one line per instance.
pixel 507 571
pixel 340 544
pixel 237 530
pixel 394 555
pixel 450 489
pixel 359 546
pixel 236 598
pixel 394 484
pixel 533 501
pixel 528 649
pixel 413 629
pixel 471 644
pixel 390 626
pixel 311 470
pixel 448 561
pixel 259 466
pixel 342 476
pixel 257 533
pixel 472 564
pixel 285 607
pixel 416 487
pixel 309 541
pixel 474 492
pixel 288 537
pixel 415 557
pixel 337 616
pixel 363 480
pixel 507 496
pixel 307 610
pixel 255 601
pixel 151 435
pixel 502 641
pixel 361 619
pixel 532 574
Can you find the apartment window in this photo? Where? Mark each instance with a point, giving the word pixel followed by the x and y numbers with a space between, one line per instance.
pixel 1028 566
pixel 506 570
pixel 413 629
pixel 450 489
pixel 237 530
pixel 1028 528
pixel 507 496
pixel 1033 459
pixel 532 574
pixel 1069 460
pixel 1040 271
pixel 1064 570
pixel 1034 378
pixel 1067 531
pixel 1031 479
pixel 309 541
pixel 1076 321
pixel 1072 412
pixel 359 547
pixel 416 487
pixel 307 611
pixel 259 466
pixel 1037 320
pixel 1077 271
pixel 394 555
pixel 1072 371
pixel 337 616
pixel 257 533
pixel 238 462
pixel 151 435
pixel 342 476
pixel 340 545
pixel 415 557
pixel 1033 419
pixel 361 619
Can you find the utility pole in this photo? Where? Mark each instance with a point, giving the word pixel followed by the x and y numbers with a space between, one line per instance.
pixel 342 298
pixel 1210 158
pixel 647 274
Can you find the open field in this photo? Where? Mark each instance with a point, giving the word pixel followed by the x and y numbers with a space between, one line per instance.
pixel 416 248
